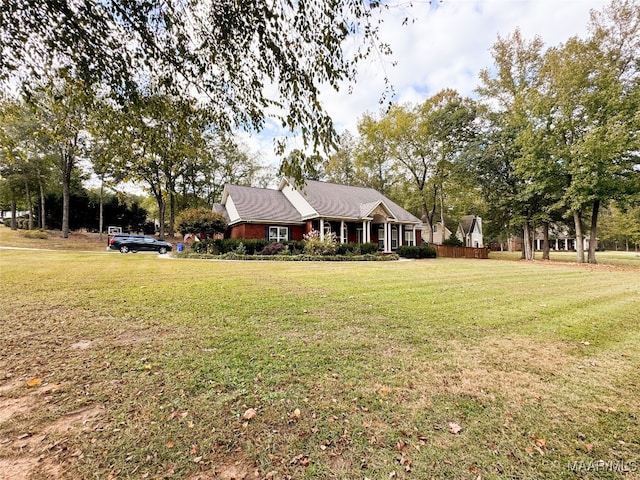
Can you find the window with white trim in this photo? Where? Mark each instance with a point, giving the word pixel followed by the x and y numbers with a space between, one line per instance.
pixel 278 234
pixel 408 238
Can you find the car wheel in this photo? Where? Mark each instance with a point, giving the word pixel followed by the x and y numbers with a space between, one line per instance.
pixel 124 249
pixel 162 250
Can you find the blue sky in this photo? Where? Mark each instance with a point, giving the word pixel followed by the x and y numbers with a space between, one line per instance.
pixel 446 46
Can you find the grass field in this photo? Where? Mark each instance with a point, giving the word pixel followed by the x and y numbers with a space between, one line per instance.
pixel 138 366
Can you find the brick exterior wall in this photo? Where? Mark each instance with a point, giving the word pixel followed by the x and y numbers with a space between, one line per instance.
pixel 257 230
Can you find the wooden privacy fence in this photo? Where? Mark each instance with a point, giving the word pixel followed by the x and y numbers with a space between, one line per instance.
pixel 450 251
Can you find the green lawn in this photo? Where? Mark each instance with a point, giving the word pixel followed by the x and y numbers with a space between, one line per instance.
pixel 354 370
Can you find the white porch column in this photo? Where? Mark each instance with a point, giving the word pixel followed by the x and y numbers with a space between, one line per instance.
pixel 364 231
pixel 322 229
pixel 400 235
pixel 342 239
pixel 415 240
pixel 386 245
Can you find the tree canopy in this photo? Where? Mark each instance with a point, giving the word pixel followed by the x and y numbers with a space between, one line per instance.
pixel 244 60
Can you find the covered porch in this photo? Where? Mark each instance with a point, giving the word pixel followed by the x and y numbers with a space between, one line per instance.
pixel 388 234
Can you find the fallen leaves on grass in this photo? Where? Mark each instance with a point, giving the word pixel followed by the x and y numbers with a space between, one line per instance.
pixel 405 462
pixel 302 460
pixel 539 445
pixel 34 382
pixel 454 428
pixel 249 414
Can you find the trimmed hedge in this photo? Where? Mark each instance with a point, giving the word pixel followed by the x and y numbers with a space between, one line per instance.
pixel 257 246
pixel 421 251
pixel 291 258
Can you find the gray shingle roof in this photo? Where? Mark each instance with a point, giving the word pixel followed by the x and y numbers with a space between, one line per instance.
pixel 344 201
pixel 262 205
pixel 466 223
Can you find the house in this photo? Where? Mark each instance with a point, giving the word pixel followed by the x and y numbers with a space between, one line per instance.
pixel 469 231
pixel 560 238
pixel 440 234
pixel 352 214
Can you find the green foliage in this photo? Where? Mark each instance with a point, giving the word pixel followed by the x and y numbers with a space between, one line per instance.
pixel 295 48
pixel 453 241
pixel 417 150
pixel 316 246
pixel 421 251
pixel 357 248
pixel 220 246
pixel 200 221
pixel 377 257
pixel 41 234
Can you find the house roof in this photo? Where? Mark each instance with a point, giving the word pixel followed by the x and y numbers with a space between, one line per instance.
pixel 314 200
pixel 467 223
pixel 262 205
pixel 331 200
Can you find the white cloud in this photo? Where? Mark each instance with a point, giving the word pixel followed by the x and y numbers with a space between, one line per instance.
pixel 447 46
pixel 444 45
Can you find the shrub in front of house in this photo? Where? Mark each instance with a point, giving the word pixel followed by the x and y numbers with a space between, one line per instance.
pixel 296 247
pixel 356 248
pixel 453 241
pixel 275 248
pixel 307 258
pixel 316 246
pixel 40 234
pixel 312 248
pixel 421 251
pixel 369 248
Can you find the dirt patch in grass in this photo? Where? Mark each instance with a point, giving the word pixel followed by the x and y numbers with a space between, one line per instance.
pixel 30 449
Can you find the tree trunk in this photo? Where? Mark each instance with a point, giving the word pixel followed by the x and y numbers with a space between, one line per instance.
pixel 428 218
pixel 67 167
pixel 14 213
pixel 545 241
pixel 577 220
pixel 161 213
pixel 43 212
pixel 444 228
pixel 29 204
pixel 66 197
pixel 101 207
pixel 592 232
pixel 526 241
pixel 172 212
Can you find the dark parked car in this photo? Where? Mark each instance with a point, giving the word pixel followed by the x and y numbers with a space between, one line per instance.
pixel 138 243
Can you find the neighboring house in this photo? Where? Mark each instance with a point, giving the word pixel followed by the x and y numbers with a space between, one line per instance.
pixel 560 239
pixel 470 231
pixel 352 214
pixel 438 237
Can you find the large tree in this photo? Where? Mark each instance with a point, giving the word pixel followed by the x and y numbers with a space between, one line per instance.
pixel 246 60
pixel 594 97
pixel 421 144
pixel 61 106
pixel 505 92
